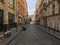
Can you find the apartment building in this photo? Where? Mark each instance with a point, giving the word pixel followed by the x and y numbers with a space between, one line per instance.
pixel 37 14
pixel 22 11
pixel 7 14
pixel 53 17
pixel 50 16
pixel 12 12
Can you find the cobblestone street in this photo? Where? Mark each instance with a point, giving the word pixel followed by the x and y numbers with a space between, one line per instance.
pixel 29 22
pixel 34 35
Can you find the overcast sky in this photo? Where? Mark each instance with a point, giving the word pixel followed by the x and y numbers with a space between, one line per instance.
pixel 31 6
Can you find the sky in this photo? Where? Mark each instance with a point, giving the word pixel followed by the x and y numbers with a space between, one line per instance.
pixel 31 6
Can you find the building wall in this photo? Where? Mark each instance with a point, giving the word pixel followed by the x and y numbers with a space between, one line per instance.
pixel 37 8
pixel 48 12
pixel 8 10
pixel 52 14
pixel 11 11
pixel 8 7
pixel 53 18
pixel 22 10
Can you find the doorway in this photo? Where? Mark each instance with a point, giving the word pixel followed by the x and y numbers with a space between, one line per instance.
pixel 11 20
pixel 1 20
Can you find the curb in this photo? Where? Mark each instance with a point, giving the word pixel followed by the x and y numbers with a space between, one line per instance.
pixel 53 36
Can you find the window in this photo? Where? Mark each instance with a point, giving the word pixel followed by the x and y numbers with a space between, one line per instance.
pixel 53 9
pixel 45 5
pixel 11 18
pixel 58 1
pixel 1 0
pixel 11 4
pixel 48 1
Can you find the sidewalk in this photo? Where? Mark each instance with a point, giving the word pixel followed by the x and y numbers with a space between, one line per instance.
pixel 51 32
pixel 6 41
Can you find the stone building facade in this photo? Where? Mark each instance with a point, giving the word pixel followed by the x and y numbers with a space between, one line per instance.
pixel 7 13
pixel 50 16
pixel 22 10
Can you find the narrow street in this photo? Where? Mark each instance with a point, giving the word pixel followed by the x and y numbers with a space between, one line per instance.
pixel 40 17
pixel 34 35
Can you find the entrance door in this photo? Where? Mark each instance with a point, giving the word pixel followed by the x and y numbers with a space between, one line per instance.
pixel 45 22
pixel 1 20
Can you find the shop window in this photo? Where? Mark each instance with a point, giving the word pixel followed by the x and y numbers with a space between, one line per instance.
pixel 11 18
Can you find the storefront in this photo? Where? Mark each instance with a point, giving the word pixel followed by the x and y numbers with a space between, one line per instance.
pixel 11 20
pixel 19 19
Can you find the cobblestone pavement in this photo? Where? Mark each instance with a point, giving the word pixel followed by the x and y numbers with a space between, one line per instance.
pixel 34 35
